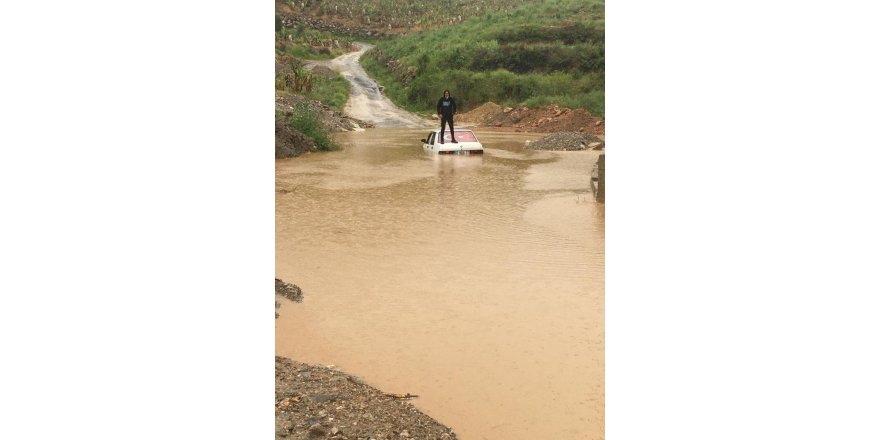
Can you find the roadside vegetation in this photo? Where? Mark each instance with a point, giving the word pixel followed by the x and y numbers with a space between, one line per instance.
pixel 542 52
pixel 332 91
pixel 297 80
pixel 292 46
pixel 309 124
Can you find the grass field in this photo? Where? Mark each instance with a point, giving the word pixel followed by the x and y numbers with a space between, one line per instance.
pixel 543 52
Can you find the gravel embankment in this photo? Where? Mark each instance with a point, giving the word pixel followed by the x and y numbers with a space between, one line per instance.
pixel 567 141
pixel 315 402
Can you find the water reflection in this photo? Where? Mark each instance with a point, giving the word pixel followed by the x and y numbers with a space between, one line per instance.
pixel 452 163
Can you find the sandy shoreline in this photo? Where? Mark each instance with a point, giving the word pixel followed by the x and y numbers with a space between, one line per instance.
pixel 319 402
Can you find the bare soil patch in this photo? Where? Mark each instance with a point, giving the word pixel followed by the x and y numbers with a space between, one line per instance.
pixel 480 115
pixel 322 70
pixel 543 119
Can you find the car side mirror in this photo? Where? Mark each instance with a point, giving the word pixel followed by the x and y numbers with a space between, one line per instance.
pixel 424 141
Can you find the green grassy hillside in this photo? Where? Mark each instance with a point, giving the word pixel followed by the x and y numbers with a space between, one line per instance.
pixel 543 52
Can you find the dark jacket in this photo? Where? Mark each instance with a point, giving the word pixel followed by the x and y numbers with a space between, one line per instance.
pixel 446 107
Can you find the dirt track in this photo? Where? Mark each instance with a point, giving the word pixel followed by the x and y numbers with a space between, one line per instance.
pixel 365 101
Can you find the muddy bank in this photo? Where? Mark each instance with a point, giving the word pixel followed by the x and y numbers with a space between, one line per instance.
pixel 542 119
pixel 316 402
pixel 290 142
pixel 330 118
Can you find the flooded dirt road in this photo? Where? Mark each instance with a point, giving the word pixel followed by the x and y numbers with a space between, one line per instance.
pixel 474 282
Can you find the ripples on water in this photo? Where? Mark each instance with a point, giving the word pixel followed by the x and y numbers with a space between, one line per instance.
pixel 475 282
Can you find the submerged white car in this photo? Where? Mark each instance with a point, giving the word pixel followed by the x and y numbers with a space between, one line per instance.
pixel 467 143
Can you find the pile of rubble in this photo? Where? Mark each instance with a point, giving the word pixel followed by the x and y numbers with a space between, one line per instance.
pixel 542 119
pixel 567 141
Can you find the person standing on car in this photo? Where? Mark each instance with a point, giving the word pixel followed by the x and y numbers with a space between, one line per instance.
pixel 445 109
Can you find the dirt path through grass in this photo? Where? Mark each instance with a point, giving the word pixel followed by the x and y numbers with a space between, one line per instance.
pixel 366 101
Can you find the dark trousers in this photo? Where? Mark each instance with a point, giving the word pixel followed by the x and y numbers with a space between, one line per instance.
pixel 443 120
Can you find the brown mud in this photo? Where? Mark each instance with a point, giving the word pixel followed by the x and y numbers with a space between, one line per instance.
pixel 543 119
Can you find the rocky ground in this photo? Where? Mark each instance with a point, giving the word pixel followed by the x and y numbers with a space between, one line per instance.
pixel 316 402
pixel 543 119
pixel 286 290
pixel 289 142
pixel 332 119
pixel 567 141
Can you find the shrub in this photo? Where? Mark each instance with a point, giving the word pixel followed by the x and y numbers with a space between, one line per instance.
pixel 331 91
pixel 310 125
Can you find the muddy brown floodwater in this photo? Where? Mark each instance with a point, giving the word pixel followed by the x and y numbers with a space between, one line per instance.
pixel 474 282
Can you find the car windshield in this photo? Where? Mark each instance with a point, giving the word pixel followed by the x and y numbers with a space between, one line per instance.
pixel 461 136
